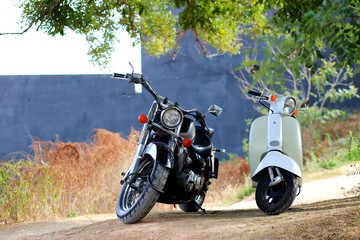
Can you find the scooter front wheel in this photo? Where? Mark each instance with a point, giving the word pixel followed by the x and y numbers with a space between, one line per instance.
pixel 275 200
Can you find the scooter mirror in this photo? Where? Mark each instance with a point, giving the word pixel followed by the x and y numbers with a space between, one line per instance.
pixel 254 69
pixel 215 110
pixel 305 103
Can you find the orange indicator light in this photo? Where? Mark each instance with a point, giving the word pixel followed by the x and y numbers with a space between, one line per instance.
pixel 143 119
pixel 273 98
pixel 187 142
pixel 295 112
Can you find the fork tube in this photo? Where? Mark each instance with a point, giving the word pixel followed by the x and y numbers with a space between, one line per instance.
pixel 145 132
pixel 271 173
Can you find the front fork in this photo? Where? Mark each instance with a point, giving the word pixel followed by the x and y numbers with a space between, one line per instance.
pixel 275 143
pixel 145 132
pixel 275 180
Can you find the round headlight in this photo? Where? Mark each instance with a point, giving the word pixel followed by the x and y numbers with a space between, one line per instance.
pixel 171 117
pixel 289 105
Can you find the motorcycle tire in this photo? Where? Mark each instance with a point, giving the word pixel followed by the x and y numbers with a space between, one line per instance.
pixel 277 199
pixel 138 197
pixel 191 206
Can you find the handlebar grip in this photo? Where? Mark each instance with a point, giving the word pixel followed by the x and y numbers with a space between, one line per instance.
pixel 119 75
pixel 254 93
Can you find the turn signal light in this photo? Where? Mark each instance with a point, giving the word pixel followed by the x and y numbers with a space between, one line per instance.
pixel 295 112
pixel 143 119
pixel 187 142
pixel 273 98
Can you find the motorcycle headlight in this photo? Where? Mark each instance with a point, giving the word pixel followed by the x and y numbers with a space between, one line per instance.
pixel 171 117
pixel 289 105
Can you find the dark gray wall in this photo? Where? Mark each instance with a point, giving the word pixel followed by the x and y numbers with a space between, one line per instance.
pixel 70 106
pixel 198 82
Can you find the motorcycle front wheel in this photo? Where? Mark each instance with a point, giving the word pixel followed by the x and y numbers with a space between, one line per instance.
pixel 140 192
pixel 275 200
pixel 191 206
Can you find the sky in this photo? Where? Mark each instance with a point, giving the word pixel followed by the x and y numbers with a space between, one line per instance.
pixel 35 53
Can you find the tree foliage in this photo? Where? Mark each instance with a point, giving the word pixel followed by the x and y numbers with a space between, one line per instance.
pixel 160 25
pixel 335 24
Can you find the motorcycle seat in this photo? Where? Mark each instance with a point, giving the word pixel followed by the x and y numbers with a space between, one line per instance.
pixel 202 143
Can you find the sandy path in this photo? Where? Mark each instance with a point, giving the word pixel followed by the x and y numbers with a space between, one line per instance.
pixel 314 191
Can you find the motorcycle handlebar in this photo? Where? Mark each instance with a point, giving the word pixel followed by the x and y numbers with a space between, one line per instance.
pixel 119 76
pixel 138 78
pixel 131 78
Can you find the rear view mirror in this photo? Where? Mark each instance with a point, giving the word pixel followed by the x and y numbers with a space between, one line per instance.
pixel 254 69
pixel 215 110
pixel 305 103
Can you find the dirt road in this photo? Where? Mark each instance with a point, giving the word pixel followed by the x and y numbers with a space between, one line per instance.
pixel 308 218
pixel 335 219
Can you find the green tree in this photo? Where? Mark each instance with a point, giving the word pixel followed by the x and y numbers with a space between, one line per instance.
pixel 285 71
pixel 335 24
pixel 159 25
pixel 218 26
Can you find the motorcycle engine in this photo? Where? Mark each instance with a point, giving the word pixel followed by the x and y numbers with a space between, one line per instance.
pixel 190 180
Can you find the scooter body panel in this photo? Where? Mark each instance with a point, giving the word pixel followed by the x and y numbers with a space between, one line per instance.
pixel 259 142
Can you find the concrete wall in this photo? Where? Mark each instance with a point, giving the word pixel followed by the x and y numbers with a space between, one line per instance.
pixel 72 105
pixel 198 82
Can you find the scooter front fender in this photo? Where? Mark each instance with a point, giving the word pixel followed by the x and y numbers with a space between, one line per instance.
pixel 277 159
pixel 161 153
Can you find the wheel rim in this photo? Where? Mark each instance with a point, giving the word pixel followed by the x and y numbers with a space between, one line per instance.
pixel 136 184
pixel 274 195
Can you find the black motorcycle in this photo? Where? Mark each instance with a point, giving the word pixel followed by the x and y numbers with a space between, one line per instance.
pixel 174 160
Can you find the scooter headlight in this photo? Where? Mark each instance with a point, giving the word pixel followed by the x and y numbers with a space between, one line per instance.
pixel 289 105
pixel 171 117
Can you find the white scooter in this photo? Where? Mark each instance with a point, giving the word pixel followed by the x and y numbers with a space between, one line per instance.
pixel 275 154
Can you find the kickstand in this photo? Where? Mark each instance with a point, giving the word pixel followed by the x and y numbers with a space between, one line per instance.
pixel 202 209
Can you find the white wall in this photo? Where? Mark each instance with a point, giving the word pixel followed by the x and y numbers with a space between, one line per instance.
pixel 35 53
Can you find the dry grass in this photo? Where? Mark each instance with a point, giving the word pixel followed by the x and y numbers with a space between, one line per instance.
pixel 321 139
pixel 69 179
pixel 66 179
pixel 90 171
pixel 231 178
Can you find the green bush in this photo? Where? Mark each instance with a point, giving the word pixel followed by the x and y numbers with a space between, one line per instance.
pixel 246 189
pixel 353 148
pixel 27 188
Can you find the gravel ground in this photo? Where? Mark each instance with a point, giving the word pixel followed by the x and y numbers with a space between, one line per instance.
pixel 313 191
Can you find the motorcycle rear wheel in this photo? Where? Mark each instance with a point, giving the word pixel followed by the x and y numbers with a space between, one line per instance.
pixel 137 196
pixel 191 206
pixel 277 199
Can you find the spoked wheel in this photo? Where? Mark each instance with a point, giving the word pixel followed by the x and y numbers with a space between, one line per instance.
pixel 275 200
pixel 191 206
pixel 141 191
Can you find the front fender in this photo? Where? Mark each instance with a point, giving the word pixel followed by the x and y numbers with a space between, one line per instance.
pixel 161 153
pixel 280 160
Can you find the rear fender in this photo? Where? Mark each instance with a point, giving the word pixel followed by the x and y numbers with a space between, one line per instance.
pixel 161 153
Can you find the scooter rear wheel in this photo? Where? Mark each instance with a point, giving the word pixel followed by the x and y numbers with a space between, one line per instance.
pixel 275 200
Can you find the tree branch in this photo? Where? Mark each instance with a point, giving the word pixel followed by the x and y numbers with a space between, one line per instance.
pixel 19 33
